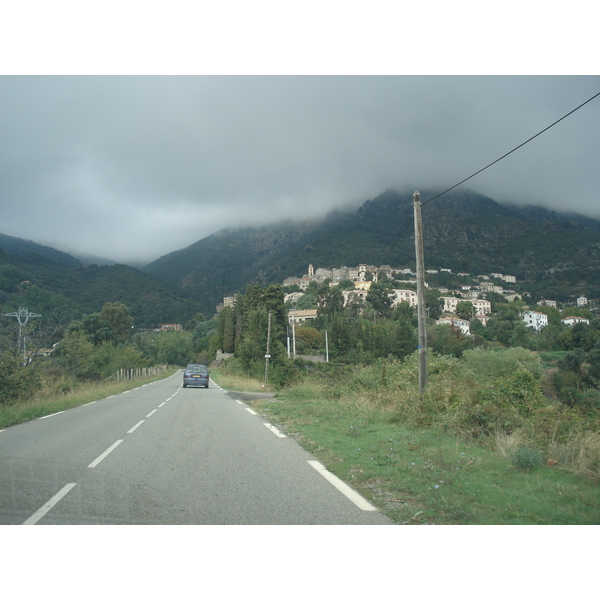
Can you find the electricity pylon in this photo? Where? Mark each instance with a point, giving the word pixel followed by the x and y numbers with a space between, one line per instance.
pixel 22 315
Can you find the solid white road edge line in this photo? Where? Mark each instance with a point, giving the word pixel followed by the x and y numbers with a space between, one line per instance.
pixel 104 454
pixel 342 487
pixel 274 430
pixel 135 426
pixel 52 415
pixel 36 516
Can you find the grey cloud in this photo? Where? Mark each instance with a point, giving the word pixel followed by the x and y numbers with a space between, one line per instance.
pixel 134 167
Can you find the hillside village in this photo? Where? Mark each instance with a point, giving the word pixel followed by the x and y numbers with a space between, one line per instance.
pixel 474 290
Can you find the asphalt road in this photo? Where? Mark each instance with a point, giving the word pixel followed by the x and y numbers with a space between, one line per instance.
pixel 163 454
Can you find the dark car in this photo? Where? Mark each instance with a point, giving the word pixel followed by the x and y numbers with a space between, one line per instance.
pixel 195 375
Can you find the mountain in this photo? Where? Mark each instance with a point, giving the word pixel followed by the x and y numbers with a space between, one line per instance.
pixel 20 247
pixel 69 290
pixel 553 255
pixel 462 231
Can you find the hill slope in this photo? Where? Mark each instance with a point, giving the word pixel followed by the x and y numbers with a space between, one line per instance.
pixel 46 286
pixel 20 247
pixel 462 231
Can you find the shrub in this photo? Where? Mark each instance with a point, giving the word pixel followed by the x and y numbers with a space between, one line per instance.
pixel 570 396
pixel 17 383
pixel 526 458
pixel 487 364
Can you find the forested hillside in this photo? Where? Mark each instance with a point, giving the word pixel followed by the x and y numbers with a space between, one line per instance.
pixel 47 286
pixel 463 231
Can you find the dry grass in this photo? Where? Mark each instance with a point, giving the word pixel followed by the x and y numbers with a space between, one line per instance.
pixel 236 382
pixel 48 400
pixel 508 443
pixel 581 455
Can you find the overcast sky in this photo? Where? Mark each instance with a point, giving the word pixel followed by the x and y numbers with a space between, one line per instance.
pixel 132 168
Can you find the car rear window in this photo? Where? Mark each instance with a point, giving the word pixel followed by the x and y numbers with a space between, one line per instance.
pixel 196 369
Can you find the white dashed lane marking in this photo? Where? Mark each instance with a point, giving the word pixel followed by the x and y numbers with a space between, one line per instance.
pixel 104 455
pixel 36 516
pixel 342 487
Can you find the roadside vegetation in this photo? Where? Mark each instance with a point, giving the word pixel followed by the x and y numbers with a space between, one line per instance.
pixel 507 431
pixel 89 360
pixel 51 399
pixel 472 450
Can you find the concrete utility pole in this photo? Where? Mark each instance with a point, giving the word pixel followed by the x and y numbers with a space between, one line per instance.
pixel 22 315
pixel 293 311
pixel 267 355
pixel 326 347
pixel 420 293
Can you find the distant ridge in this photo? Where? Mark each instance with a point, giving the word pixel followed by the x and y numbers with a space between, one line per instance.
pixel 21 247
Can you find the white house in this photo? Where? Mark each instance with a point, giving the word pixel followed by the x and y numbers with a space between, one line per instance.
pixel 409 296
pixel 482 307
pixel 535 319
pixel 301 316
pixel 574 320
pixel 582 301
pixel 350 295
pixel 293 297
pixel 453 321
pixel 551 303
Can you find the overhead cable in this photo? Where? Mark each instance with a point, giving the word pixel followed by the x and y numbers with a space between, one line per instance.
pixel 488 166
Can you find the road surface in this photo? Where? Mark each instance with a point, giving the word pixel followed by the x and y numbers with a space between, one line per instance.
pixel 163 454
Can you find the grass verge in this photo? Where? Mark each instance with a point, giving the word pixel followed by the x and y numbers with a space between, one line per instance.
pixel 13 414
pixel 230 381
pixel 418 475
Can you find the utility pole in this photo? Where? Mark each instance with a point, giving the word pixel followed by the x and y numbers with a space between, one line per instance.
pixel 267 355
pixel 420 293
pixel 22 315
pixel 293 311
pixel 326 346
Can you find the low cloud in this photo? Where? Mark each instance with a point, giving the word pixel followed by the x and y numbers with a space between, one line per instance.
pixel 134 167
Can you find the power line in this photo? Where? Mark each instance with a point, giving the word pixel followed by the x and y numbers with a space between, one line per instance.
pixel 513 150
pixel 488 166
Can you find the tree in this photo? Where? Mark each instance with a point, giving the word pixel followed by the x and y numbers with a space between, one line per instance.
pixel 593 360
pixel 345 284
pixel 175 348
pixel 404 311
pixel 379 299
pixel 331 302
pixel 447 339
pixel 465 310
pixel 117 315
pixel 75 351
pixel 309 336
pixel 433 303
pixel 306 301
pixel 406 340
pixel 96 328
pixel 226 329
pixel 195 321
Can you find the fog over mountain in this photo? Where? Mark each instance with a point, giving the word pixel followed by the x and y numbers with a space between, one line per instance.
pixel 132 168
